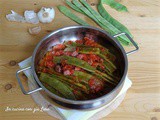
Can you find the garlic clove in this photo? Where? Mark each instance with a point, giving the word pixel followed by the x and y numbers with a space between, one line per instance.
pixel 15 17
pixel 31 17
pixel 46 15
pixel 34 30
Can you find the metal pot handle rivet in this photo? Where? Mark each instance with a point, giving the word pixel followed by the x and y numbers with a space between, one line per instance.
pixel 20 83
pixel 135 45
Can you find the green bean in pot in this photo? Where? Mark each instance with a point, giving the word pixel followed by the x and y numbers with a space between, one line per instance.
pixel 78 68
pixel 58 85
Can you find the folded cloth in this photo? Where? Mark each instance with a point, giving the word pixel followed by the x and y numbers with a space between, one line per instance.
pixel 69 114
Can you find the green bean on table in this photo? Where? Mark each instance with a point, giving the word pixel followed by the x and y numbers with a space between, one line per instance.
pixel 73 6
pixel 106 21
pixel 109 18
pixel 101 21
pixel 72 16
pixel 117 6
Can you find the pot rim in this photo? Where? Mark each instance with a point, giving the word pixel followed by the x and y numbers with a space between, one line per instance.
pixel 79 101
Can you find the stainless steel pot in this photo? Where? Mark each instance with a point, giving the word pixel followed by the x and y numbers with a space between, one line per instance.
pixel 73 33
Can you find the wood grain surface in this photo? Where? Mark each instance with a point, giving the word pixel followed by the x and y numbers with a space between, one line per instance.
pixel 142 101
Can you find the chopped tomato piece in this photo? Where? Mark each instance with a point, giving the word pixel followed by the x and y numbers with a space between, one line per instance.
pixel 85 58
pixel 49 64
pixel 95 85
pixel 68 53
pixel 49 57
pixel 63 62
pixel 67 67
pixel 42 63
pixel 89 42
pixel 77 68
pixel 95 64
pixel 69 42
pixel 80 56
pixel 44 70
pixel 101 66
pixel 58 53
pixel 79 41
pixel 72 71
pixel 59 47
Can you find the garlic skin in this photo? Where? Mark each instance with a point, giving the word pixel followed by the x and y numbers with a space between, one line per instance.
pixel 15 17
pixel 31 17
pixel 46 15
pixel 34 30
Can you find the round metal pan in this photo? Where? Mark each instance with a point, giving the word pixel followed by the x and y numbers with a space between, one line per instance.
pixel 74 33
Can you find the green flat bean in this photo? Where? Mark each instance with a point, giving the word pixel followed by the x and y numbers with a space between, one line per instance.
pixel 103 78
pixel 110 28
pixel 67 79
pixel 50 88
pixel 110 19
pixel 82 76
pixel 72 16
pixel 82 64
pixel 86 77
pixel 73 6
pixel 70 48
pixel 81 7
pixel 87 12
pixel 74 61
pixel 109 55
pixel 105 52
pixel 89 50
pixel 108 71
pixel 103 26
pixel 117 6
pixel 108 67
pixel 108 61
pixel 105 75
pixel 80 96
pixel 58 85
pixel 113 76
pixel 96 51
pixel 86 50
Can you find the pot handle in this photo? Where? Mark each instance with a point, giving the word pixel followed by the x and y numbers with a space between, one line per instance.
pixel 135 45
pixel 20 83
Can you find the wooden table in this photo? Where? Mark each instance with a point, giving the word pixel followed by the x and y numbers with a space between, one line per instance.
pixel 142 101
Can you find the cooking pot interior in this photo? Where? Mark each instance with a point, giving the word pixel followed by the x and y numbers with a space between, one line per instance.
pixel 72 34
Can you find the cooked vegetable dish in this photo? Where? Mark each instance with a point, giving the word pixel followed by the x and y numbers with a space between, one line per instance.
pixel 79 70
